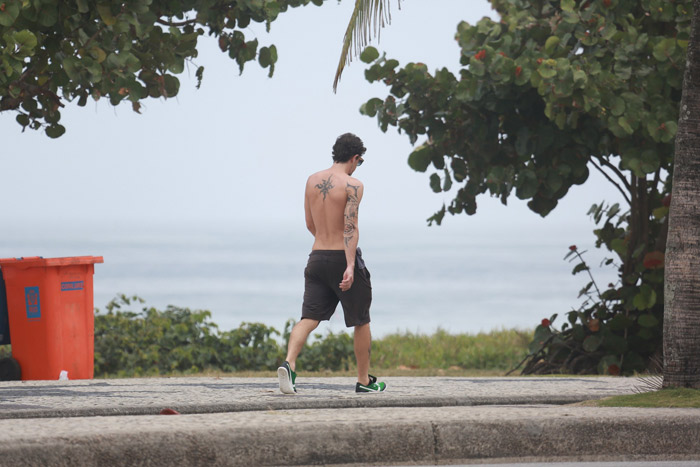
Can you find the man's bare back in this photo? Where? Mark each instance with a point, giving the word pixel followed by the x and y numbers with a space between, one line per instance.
pixel 328 193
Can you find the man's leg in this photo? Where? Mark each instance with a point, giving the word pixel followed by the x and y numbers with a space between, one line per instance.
pixel 363 349
pixel 297 339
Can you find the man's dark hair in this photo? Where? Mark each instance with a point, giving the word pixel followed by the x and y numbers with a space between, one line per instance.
pixel 346 146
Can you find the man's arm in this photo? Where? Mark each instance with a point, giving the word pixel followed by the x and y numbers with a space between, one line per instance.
pixel 309 219
pixel 351 232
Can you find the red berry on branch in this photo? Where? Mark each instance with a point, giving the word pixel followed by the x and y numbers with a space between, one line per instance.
pixel 573 248
pixel 546 323
pixel 518 70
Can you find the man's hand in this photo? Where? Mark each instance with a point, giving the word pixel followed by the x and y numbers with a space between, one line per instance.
pixel 348 278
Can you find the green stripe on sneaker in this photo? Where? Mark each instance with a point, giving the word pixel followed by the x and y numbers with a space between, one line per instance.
pixel 372 387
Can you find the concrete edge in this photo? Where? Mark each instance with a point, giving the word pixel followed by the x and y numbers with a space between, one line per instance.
pixel 425 440
pixel 292 403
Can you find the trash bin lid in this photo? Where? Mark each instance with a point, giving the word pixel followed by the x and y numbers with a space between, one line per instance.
pixel 38 261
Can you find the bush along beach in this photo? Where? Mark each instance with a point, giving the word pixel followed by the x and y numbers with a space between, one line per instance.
pixel 152 342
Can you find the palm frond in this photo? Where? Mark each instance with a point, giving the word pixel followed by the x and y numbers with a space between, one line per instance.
pixel 366 21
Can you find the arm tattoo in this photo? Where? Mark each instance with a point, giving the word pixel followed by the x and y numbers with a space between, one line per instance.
pixel 325 186
pixel 351 208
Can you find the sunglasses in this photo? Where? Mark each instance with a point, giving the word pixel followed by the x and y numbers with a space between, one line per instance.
pixel 360 161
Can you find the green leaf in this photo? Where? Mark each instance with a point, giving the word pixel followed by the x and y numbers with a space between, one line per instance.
pixel 438 160
pixel 264 57
pixel 105 11
pixel 98 54
pixel 580 78
pixel 647 321
pixel 370 107
pixel 10 13
pixel 591 343
pixel 48 15
pixel 459 168
pixel 567 5
pixel 546 71
pixel 551 43
pixel 669 133
pixel 177 66
pixel 540 337
pixel 22 119
pixel 435 183
pixel 526 184
pixel 83 6
pixel 369 55
pixel 624 124
pixel 55 130
pixel 448 181
pixel 645 299
pixel 70 66
pixel 620 322
pixel 26 40
pixel 618 106
pixel 477 67
pixel 172 85
pixel 419 159
pixel 663 50
pixel 619 246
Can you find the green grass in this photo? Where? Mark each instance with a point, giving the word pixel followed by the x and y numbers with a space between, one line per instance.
pixel 675 398
pixel 495 350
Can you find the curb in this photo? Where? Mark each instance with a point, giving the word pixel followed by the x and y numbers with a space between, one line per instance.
pixel 344 436
pixel 292 403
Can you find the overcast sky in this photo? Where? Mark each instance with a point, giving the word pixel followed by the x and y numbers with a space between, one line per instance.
pixel 240 148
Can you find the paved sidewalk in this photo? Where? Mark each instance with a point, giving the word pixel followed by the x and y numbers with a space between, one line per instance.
pixel 246 421
pixel 209 395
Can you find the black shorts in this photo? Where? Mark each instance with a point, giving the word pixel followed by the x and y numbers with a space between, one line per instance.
pixel 322 275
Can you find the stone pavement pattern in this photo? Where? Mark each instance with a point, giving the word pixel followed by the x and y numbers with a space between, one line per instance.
pixel 138 396
pixel 235 421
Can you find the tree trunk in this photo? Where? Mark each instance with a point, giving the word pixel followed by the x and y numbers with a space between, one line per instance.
pixel 682 274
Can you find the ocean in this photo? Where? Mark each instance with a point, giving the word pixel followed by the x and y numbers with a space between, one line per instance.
pixel 459 277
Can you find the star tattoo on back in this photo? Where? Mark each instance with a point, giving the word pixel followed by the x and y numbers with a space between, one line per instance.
pixel 325 186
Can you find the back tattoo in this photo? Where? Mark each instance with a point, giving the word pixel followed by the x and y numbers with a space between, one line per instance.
pixel 325 186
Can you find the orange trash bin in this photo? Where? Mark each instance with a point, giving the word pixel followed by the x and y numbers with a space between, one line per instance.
pixel 51 315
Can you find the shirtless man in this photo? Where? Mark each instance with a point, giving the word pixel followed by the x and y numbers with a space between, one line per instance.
pixel 335 271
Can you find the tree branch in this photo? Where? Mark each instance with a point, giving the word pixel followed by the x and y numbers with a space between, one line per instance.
pixel 176 24
pixel 657 179
pixel 624 194
pixel 607 164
